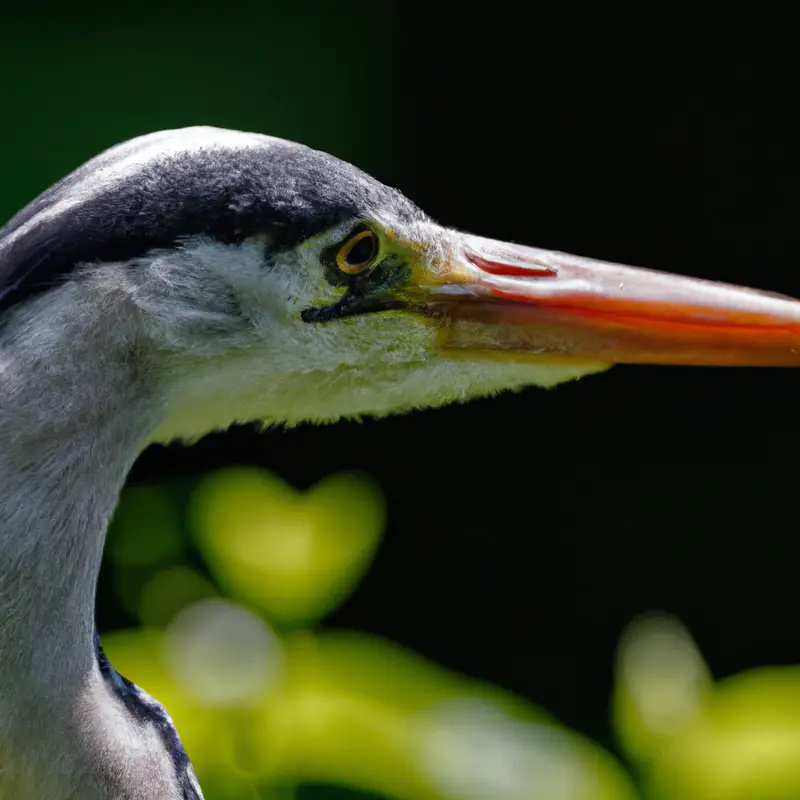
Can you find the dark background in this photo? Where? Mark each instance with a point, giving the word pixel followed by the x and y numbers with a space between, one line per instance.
pixel 524 532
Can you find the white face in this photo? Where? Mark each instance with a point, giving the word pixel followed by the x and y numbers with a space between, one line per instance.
pixel 279 369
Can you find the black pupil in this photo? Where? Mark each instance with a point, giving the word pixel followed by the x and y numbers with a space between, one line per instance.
pixel 361 252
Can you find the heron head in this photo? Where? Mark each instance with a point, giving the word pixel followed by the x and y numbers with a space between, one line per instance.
pixel 268 281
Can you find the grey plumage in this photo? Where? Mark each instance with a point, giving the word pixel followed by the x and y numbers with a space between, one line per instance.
pixel 140 296
pixel 177 284
pixel 148 711
pixel 154 190
pixel 140 196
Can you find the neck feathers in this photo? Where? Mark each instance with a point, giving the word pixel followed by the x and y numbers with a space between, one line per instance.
pixel 72 420
pixel 74 414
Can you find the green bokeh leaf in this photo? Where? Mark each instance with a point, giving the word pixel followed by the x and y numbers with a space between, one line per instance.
pixel 293 555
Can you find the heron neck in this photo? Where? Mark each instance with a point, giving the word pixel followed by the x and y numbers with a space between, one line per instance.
pixel 71 426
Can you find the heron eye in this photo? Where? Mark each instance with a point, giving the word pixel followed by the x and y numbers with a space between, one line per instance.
pixel 357 253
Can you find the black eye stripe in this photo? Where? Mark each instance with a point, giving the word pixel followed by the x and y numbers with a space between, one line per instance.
pixel 366 294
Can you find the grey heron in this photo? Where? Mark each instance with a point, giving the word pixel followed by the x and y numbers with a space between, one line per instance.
pixel 189 279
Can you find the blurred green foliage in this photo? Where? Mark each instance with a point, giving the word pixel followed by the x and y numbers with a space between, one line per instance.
pixel 267 704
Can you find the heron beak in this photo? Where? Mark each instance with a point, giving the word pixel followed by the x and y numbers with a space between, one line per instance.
pixel 507 299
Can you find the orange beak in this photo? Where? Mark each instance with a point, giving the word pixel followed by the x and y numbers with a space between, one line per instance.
pixel 500 297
